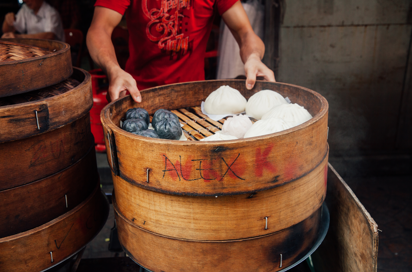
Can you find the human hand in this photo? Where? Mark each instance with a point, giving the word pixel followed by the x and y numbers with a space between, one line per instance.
pixel 254 67
pixel 9 35
pixel 119 83
pixel 10 18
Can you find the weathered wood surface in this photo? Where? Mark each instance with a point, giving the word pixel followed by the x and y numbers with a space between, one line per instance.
pixel 19 121
pixel 37 157
pixel 30 74
pixel 62 237
pixel 351 244
pixel 223 217
pixel 215 168
pixel 31 205
pixel 162 253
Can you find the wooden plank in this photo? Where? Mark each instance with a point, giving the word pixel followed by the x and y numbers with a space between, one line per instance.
pixel 188 129
pixel 200 113
pixel 193 124
pixel 352 240
pixel 200 120
pixel 188 136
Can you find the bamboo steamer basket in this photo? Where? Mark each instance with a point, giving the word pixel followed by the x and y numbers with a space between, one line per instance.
pixel 28 115
pixel 44 131
pixel 34 204
pixel 31 64
pixel 24 161
pixel 53 242
pixel 226 217
pixel 217 196
pixel 156 252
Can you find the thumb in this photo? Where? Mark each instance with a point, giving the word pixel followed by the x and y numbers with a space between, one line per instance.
pixel 250 78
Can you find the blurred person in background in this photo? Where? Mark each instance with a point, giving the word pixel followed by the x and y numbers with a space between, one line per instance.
pixel 36 20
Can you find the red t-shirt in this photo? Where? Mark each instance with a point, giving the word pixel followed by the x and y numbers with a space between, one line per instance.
pixel 168 38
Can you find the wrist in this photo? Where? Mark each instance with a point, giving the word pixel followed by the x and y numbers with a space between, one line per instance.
pixel 113 70
pixel 254 57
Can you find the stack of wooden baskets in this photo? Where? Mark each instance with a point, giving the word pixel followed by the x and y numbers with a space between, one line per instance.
pixel 243 205
pixel 51 205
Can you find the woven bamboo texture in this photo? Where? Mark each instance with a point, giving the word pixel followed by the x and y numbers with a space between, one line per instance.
pixel 31 64
pixel 10 51
pixel 58 89
pixel 196 125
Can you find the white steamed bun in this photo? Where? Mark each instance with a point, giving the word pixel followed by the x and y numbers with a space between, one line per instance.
pixel 237 126
pixel 263 101
pixel 219 136
pixel 293 114
pixel 268 126
pixel 225 100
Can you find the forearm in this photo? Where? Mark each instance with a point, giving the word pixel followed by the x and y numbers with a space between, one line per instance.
pixel 42 35
pixel 101 49
pixel 250 46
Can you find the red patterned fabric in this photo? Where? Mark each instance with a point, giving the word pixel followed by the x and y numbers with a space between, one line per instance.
pixel 168 38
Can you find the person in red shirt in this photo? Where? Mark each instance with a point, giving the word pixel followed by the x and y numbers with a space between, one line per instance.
pixel 168 41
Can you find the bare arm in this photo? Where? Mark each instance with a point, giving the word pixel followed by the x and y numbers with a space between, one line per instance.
pixel 251 46
pixel 102 52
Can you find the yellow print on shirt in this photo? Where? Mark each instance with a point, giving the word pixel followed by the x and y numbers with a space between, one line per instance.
pixel 163 26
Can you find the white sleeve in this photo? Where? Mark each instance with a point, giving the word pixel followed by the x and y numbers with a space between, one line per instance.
pixel 54 24
pixel 20 24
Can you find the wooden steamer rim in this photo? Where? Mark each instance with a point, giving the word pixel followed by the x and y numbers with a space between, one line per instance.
pixel 225 217
pixel 256 164
pixel 158 252
pixel 23 120
pixel 41 248
pixel 34 204
pixel 35 72
pixel 34 158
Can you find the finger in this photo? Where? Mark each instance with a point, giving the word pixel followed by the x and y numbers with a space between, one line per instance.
pixel 250 78
pixel 134 92
pixel 267 74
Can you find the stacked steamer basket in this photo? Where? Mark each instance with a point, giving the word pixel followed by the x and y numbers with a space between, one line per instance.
pixel 50 200
pixel 243 205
